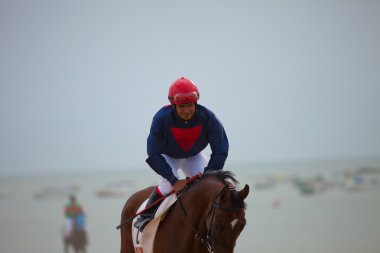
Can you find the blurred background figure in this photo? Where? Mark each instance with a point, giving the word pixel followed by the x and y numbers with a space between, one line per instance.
pixel 74 232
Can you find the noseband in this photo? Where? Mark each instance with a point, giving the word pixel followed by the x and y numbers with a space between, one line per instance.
pixel 208 240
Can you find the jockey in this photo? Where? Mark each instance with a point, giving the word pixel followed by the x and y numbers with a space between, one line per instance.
pixel 74 215
pixel 178 134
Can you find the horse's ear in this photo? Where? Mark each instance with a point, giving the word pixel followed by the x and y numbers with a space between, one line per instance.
pixel 244 193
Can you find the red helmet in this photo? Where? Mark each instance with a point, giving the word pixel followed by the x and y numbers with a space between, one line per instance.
pixel 183 91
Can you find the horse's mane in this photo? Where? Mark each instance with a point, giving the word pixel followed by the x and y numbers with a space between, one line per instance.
pixel 227 178
pixel 222 175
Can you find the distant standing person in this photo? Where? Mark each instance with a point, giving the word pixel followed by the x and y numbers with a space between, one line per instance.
pixel 178 134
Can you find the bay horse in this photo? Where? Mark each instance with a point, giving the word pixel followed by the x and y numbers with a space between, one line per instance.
pixel 208 216
pixel 77 239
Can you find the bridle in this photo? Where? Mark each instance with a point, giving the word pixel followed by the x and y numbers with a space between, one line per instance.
pixel 209 241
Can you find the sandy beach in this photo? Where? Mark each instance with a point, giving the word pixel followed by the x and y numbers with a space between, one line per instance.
pixel 280 216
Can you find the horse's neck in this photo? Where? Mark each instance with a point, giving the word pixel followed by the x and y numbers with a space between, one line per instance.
pixel 201 200
pixel 190 217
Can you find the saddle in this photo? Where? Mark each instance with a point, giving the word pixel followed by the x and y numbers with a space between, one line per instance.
pixel 143 241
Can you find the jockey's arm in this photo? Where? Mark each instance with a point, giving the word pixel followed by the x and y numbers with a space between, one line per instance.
pixel 155 147
pixel 161 167
pixel 218 143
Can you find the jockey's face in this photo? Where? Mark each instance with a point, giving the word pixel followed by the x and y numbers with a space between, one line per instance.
pixel 185 111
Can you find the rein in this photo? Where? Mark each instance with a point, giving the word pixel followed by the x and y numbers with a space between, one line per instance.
pixel 207 240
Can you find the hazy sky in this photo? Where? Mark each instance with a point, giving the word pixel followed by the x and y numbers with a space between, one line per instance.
pixel 81 80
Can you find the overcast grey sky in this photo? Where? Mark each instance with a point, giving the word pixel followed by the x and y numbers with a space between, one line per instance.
pixel 81 80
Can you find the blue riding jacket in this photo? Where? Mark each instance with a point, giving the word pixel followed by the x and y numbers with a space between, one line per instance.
pixel 172 136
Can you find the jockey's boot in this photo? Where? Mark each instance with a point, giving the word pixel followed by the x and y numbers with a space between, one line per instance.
pixel 147 216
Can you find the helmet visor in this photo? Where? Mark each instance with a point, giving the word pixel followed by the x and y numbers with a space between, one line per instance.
pixel 184 98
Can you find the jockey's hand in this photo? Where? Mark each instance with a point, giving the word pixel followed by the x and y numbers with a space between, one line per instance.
pixel 179 185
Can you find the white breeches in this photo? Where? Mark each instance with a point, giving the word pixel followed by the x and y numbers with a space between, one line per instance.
pixel 68 227
pixel 190 167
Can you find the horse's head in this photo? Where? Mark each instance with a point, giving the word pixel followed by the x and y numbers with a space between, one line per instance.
pixel 226 211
